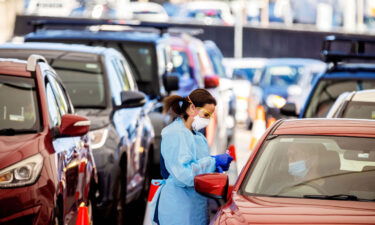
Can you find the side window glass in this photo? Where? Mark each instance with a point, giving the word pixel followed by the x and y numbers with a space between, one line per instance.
pixel 128 74
pixel 62 101
pixel 53 108
pixel 120 71
pixel 115 83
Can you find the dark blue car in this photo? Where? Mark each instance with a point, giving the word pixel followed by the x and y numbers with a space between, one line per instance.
pixel 342 75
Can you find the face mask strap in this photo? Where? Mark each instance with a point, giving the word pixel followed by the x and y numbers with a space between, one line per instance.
pixel 191 102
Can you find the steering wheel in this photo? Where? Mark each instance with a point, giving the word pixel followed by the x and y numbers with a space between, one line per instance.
pixel 311 185
pixel 315 186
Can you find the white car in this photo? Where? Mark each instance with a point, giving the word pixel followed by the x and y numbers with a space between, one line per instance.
pixel 242 71
pixel 356 105
pixel 208 12
pixel 148 11
pixel 50 7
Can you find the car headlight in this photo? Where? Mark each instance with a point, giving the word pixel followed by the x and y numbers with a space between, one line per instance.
pixel 275 101
pixel 98 138
pixel 294 90
pixel 22 173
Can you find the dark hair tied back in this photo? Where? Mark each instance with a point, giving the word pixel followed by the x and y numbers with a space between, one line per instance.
pixel 179 105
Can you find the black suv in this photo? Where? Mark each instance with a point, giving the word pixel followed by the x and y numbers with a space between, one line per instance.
pixel 101 86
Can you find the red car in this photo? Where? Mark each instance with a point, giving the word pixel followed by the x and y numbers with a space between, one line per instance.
pixel 312 171
pixel 46 165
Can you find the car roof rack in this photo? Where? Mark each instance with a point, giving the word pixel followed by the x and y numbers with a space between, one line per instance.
pixel 33 60
pixel 354 48
pixel 114 25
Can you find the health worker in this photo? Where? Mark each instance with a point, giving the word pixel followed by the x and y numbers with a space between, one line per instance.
pixel 185 154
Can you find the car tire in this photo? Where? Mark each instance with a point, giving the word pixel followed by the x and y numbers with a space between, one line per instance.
pixel 135 210
pixel 57 218
pixel 119 206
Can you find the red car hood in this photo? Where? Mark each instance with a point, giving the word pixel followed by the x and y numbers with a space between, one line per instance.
pixel 269 210
pixel 18 147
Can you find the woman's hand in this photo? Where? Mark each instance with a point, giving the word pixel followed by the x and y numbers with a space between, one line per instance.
pixel 222 162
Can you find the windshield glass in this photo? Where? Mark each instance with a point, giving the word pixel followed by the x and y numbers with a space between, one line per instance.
pixel 299 166
pixel 359 110
pixel 18 104
pixel 327 91
pixel 244 73
pixel 281 75
pixel 84 82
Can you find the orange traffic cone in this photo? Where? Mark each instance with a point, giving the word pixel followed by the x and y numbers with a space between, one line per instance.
pixel 83 215
pixel 259 126
pixel 270 121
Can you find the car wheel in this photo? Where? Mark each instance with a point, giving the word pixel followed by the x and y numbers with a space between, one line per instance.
pixel 249 125
pixel 119 206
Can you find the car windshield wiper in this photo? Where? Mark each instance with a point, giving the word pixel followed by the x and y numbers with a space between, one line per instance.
pixel 334 197
pixel 11 131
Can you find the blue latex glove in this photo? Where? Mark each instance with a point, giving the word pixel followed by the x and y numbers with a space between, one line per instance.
pixel 222 162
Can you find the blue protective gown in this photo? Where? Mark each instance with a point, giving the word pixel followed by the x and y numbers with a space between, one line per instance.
pixel 185 155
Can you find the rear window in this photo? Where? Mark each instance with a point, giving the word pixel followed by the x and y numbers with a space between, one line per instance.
pixel 328 90
pixel 19 111
pixel 84 82
pixel 359 110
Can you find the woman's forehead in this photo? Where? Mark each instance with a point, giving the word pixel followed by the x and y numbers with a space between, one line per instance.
pixel 209 107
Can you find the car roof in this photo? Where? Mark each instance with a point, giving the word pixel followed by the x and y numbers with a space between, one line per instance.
pixel 14 67
pixel 245 62
pixel 354 67
pixel 331 127
pixel 132 36
pixel 206 5
pixel 293 61
pixel 55 47
pixel 150 6
pixel 56 50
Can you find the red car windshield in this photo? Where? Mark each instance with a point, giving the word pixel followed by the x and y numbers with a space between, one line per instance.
pixel 19 111
pixel 314 166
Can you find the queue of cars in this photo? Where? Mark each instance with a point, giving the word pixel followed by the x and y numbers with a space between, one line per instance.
pixel 102 88
pixel 117 79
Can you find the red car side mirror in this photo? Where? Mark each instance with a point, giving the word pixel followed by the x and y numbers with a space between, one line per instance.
pixel 211 81
pixel 74 125
pixel 213 185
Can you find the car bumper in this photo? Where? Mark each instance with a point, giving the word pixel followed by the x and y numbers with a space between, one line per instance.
pixel 32 204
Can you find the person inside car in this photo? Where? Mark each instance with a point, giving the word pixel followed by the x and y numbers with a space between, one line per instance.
pixel 303 166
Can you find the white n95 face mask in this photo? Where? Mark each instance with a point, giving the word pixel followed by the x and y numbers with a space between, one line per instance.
pixel 200 123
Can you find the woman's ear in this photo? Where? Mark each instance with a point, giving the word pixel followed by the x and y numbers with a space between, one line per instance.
pixel 191 110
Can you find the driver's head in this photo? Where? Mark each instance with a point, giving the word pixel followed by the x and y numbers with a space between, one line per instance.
pixel 302 159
